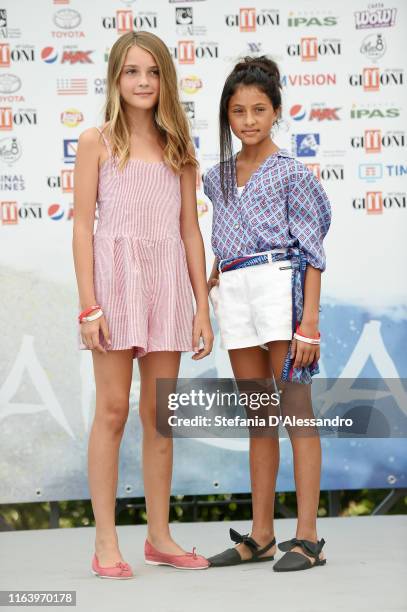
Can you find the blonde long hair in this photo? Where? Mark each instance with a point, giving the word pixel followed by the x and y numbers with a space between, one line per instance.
pixel 170 117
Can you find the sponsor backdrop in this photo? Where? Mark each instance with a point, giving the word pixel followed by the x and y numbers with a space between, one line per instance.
pixel 343 70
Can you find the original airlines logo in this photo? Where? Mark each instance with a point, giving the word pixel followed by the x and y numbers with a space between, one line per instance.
pixel 329 172
pixel 249 19
pixel 71 117
pixel 186 52
pixel 375 17
pixel 375 202
pixel 67 20
pixel 12 182
pixel 126 21
pixel 374 111
pixel 372 79
pixel 317 112
pixel 191 84
pixel 63 182
pixel 305 20
pixel 373 141
pixel 310 49
pixel 373 46
pixel 68 55
pixel 10 118
pixel 10 150
pixel 20 54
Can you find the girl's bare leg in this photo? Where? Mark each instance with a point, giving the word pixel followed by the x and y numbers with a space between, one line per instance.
pixel 252 363
pixel 157 450
pixel 113 373
pixel 307 462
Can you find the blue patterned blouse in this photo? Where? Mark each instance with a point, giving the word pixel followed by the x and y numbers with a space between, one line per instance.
pixel 283 204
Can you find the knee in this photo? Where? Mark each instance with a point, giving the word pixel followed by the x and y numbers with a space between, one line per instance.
pixel 113 413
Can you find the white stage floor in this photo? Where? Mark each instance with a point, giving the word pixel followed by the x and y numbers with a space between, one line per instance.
pixel 366 570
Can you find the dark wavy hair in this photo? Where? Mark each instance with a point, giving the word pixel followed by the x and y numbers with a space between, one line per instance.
pixel 262 72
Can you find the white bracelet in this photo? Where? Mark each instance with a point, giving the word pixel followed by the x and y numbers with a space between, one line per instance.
pixel 307 340
pixel 99 313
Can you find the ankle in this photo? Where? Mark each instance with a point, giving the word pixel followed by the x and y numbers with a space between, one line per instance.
pixel 159 538
pixel 307 534
pixel 262 535
pixel 106 541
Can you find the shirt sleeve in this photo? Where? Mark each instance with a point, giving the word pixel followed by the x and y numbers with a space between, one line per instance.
pixel 309 216
pixel 207 185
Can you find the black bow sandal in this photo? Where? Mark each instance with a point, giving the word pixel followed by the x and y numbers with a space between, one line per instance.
pixel 293 561
pixel 232 557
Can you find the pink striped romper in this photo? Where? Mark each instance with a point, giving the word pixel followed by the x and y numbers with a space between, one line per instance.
pixel 141 276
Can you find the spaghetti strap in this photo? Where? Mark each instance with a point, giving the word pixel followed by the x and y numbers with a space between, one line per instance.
pixel 105 140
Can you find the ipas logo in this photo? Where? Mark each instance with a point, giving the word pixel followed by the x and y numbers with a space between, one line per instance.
pixel 10 118
pixel 302 20
pixel 249 19
pixel 309 49
pixel 187 52
pixel 372 79
pixel 373 141
pixel 374 112
pixel 375 18
pixel 305 145
pixel 318 112
pixel 20 54
pixel 64 182
pixel 126 21
pixel 375 203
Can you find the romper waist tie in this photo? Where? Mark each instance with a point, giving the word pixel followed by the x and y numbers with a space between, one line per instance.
pixel 299 265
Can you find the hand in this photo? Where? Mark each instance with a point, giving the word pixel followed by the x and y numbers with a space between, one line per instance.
pixel 305 353
pixel 212 281
pixel 90 334
pixel 202 328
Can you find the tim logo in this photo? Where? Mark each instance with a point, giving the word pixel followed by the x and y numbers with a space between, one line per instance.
pixel 374 202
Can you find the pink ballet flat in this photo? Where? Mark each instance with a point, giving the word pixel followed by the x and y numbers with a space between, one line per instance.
pixel 188 561
pixel 120 571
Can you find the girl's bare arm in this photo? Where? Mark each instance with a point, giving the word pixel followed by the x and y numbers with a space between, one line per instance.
pixel 85 192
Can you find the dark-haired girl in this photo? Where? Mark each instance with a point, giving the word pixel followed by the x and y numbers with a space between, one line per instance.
pixel 270 216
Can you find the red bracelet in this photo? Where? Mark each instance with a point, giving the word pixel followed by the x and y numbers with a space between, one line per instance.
pixel 85 313
pixel 301 333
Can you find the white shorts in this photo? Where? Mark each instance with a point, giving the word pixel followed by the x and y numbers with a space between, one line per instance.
pixel 253 305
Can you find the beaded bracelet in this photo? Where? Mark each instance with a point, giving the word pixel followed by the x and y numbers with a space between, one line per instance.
pixel 86 312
